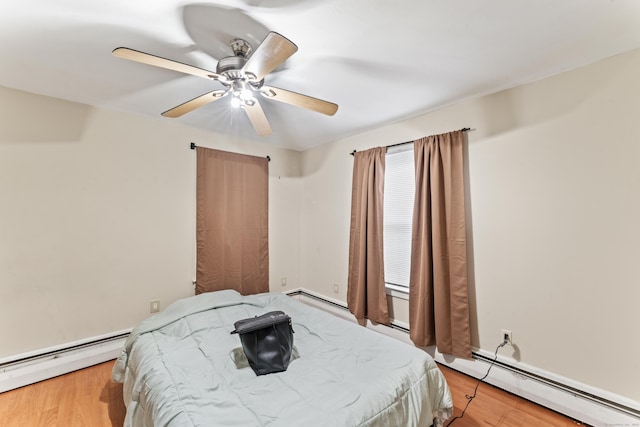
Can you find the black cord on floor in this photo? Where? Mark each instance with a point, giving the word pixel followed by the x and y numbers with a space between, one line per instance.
pixel 470 398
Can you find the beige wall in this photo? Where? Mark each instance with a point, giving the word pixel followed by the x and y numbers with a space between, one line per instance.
pixel 554 185
pixel 97 218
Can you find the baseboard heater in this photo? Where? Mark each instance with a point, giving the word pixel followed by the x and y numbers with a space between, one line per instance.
pixel 567 399
pixel 561 386
pixel 29 368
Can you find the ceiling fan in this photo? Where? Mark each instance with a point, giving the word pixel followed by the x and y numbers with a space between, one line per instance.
pixel 242 76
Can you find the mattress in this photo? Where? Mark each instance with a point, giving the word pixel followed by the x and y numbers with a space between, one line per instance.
pixel 182 367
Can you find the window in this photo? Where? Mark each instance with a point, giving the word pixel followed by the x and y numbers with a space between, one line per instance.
pixel 399 188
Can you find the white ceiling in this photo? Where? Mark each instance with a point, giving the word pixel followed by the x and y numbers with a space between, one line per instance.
pixel 380 60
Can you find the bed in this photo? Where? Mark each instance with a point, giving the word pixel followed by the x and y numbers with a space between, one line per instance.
pixel 182 367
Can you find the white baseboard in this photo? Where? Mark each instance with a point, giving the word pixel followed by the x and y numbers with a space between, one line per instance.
pixel 29 368
pixel 579 401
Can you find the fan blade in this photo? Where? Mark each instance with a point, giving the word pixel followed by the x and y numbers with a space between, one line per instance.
pixel 157 61
pixel 299 100
pixel 273 51
pixel 195 103
pixel 257 118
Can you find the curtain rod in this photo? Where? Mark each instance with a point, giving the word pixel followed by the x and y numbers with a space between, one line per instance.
pixel 409 142
pixel 193 146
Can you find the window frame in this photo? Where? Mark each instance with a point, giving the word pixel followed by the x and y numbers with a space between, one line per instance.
pixel 392 289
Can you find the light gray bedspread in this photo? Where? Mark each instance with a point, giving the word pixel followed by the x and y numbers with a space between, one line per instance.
pixel 182 367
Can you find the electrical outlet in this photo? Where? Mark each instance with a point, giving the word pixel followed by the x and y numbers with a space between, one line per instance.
pixel 336 288
pixel 507 336
pixel 154 306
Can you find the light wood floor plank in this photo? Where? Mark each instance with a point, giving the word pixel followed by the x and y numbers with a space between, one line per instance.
pixel 89 398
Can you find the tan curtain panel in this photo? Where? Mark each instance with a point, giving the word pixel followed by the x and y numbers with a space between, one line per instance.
pixel 438 293
pixel 232 222
pixel 366 294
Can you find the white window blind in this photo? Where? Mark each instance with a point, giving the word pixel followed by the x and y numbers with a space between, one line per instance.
pixel 399 188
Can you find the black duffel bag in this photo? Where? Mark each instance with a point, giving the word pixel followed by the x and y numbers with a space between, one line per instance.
pixel 267 341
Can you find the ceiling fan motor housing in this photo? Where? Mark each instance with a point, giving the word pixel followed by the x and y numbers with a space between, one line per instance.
pixel 231 67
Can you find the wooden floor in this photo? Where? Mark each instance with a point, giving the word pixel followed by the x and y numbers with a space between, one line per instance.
pixel 82 398
pixel 494 407
pixel 89 398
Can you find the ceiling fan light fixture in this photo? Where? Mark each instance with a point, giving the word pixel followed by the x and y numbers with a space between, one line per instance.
pixel 242 94
pixel 236 102
pixel 246 94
